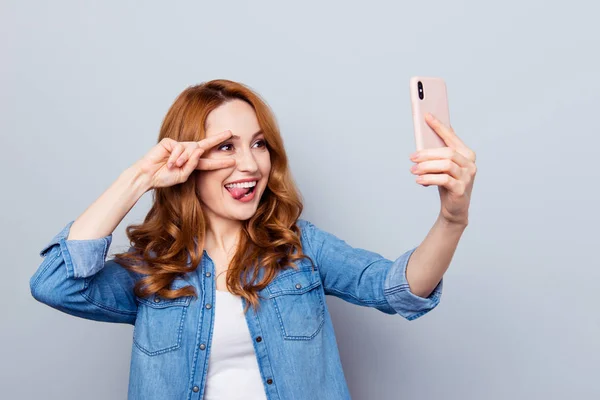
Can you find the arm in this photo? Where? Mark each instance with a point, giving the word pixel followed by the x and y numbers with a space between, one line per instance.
pixel 74 276
pixel 363 277
pixel 104 215
pixel 432 257
pixel 452 169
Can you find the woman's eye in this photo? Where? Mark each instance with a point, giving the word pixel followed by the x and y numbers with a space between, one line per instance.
pixel 229 146
pixel 260 143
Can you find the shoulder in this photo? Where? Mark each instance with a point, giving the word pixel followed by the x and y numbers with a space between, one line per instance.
pixel 307 229
pixel 311 236
pixel 302 224
pixel 310 230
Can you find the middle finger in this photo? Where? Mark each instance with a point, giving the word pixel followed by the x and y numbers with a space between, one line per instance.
pixel 211 164
pixel 441 153
pixel 437 166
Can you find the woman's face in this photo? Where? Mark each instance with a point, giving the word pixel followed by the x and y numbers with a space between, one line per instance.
pixel 234 193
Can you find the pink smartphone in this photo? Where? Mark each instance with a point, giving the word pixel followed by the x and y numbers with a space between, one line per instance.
pixel 428 95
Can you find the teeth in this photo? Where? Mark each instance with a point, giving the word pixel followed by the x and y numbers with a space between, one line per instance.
pixel 242 185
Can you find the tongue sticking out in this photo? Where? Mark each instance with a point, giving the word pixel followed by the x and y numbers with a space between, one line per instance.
pixel 238 193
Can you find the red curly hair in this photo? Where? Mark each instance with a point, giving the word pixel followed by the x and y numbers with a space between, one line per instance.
pixel 168 237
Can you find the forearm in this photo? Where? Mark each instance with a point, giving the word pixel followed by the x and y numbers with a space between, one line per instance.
pixel 106 213
pixel 432 257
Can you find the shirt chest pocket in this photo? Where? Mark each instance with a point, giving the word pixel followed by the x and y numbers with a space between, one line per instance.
pixel 159 324
pixel 298 300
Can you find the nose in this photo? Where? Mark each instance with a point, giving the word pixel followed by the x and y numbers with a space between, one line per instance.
pixel 246 162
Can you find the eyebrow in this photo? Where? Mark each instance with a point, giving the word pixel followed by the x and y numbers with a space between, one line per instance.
pixel 253 136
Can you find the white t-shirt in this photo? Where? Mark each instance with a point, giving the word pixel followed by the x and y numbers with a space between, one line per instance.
pixel 232 365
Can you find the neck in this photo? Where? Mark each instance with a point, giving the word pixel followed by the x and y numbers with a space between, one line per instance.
pixel 222 235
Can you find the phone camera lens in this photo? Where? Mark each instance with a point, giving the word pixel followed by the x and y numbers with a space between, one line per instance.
pixel 420 87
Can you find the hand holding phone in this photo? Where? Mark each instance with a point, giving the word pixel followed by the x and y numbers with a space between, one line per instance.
pixel 428 95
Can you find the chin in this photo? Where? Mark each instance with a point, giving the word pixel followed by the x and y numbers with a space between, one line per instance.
pixel 241 212
pixel 242 217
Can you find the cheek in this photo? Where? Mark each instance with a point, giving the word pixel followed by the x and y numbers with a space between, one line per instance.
pixel 264 164
pixel 209 184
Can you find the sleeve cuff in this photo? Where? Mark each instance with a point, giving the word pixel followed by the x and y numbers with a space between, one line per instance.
pixel 83 258
pixel 398 294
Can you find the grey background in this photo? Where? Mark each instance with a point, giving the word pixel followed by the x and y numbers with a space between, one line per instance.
pixel 84 87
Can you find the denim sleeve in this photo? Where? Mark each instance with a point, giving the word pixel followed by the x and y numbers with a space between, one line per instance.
pixel 75 278
pixel 366 278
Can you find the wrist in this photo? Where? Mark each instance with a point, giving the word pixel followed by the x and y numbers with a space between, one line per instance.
pixel 453 223
pixel 137 178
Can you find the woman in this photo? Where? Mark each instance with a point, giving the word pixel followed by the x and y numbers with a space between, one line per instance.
pixel 224 283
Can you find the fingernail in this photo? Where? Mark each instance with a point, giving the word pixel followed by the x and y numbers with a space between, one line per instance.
pixel 414 156
pixel 169 165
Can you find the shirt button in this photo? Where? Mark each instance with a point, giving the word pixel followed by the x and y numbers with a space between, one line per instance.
pixel 298 286
pixel 157 299
pixel 195 388
pixel 207 274
pixel 259 339
pixel 269 381
pixel 202 346
pixel 209 306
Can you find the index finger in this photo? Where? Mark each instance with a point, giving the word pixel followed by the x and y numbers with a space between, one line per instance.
pixel 441 129
pixel 212 141
pixel 449 136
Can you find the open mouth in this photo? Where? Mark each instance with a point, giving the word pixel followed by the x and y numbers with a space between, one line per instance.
pixel 242 191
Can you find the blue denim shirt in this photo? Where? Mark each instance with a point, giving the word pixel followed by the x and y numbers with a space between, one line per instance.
pixel 292 331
